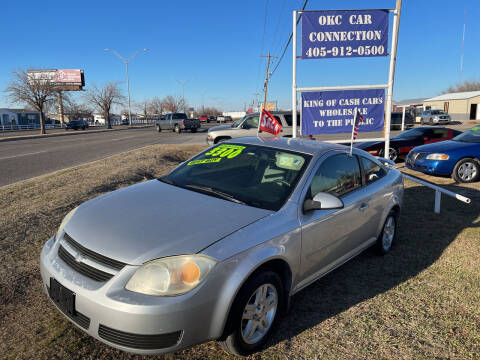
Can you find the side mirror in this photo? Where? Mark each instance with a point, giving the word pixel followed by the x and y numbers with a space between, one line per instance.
pixel 322 201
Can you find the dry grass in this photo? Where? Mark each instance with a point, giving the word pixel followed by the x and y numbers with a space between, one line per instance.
pixel 420 301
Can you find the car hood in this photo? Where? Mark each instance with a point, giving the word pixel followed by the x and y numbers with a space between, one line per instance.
pixel 446 146
pixel 153 219
pixel 222 127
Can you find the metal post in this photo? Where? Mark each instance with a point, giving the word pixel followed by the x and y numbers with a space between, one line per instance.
pixel 60 107
pixel 438 198
pixel 294 75
pixel 128 90
pixel 403 119
pixel 391 76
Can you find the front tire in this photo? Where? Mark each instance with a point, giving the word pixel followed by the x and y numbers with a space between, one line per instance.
pixel 388 235
pixel 466 171
pixel 392 154
pixel 253 314
pixel 194 130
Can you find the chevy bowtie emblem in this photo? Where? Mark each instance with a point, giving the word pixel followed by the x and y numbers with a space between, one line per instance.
pixel 79 258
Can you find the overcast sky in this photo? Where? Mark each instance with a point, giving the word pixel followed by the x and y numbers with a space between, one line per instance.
pixel 215 46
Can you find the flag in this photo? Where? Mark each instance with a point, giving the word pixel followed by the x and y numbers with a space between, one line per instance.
pixel 269 124
pixel 356 122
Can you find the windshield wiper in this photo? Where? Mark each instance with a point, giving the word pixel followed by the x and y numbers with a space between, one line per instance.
pixel 215 192
pixel 170 182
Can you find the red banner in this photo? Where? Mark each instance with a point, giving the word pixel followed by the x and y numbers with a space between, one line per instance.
pixel 269 124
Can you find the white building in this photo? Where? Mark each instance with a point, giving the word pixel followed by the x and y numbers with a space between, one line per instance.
pixel 461 106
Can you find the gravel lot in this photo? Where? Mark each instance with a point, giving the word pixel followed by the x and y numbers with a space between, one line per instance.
pixel 419 301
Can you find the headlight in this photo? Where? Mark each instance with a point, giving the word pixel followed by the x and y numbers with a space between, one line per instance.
pixel 171 275
pixel 438 157
pixel 65 220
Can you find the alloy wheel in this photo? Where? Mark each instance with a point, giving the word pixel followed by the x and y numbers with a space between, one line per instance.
pixel 467 171
pixel 388 233
pixel 259 314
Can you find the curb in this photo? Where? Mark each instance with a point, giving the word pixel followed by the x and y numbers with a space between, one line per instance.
pixel 28 137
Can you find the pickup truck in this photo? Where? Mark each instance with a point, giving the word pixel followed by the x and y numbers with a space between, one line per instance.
pixel 177 122
pixel 247 126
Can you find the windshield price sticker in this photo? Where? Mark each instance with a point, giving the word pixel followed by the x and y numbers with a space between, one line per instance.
pixel 226 150
pixel 222 151
pixel 344 33
pixel 204 161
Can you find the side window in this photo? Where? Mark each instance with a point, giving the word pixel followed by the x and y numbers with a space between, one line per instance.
pixel 440 133
pixel 338 175
pixel 288 119
pixel 371 170
pixel 251 122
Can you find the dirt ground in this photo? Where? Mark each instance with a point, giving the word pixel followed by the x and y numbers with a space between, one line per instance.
pixel 421 300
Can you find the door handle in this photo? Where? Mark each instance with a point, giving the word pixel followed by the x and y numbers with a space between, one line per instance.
pixel 363 207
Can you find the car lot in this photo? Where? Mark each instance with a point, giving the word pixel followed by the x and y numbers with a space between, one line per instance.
pixel 371 307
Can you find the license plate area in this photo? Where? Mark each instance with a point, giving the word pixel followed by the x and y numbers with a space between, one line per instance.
pixel 63 297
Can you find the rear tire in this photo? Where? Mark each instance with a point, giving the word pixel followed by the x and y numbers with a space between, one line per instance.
pixel 388 235
pixel 159 129
pixel 253 315
pixel 177 129
pixel 466 171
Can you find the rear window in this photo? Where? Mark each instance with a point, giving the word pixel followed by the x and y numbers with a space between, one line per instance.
pixel 179 116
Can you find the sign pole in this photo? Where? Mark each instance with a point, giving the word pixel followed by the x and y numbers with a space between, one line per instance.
pixel 294 76
pixel 391 76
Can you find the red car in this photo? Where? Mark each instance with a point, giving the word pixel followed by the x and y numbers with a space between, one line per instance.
pixel 401 144
pixel 203 118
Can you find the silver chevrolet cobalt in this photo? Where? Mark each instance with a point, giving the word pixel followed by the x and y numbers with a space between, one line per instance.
pixel 215 249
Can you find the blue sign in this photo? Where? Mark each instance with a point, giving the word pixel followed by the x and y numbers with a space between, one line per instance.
pixel 332 112
pixel 344 33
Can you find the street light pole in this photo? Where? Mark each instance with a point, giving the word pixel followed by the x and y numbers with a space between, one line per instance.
pixel 182 84
pixel 126 61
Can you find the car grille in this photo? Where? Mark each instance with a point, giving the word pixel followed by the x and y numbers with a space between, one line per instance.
pixel 136 341
pixel 81 267
pixel 118 265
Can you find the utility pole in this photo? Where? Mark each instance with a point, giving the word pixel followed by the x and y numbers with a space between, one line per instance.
pixel 182 84
pixel 267 77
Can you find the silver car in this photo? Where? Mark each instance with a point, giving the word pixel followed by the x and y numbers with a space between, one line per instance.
pixel 432 117
pixel 216 249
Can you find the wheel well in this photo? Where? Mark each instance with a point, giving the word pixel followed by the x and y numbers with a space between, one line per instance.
pixel 217 139
pixel 278 266
pixel 396 210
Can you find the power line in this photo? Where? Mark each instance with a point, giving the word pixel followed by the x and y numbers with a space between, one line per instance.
pixel 289 40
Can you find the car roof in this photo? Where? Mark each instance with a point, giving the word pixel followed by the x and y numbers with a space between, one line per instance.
pixel 311 147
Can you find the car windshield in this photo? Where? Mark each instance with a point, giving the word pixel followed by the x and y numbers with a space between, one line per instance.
pixel 471 136
pixel 238 122
pixel 253 175
pixel 409 134
pixel 437 112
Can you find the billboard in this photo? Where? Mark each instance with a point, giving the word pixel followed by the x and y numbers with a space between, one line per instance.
pixel 64 79
pixel 344 33
pixel 270 106
pixel 333 112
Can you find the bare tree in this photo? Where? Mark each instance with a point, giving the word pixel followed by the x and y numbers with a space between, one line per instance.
pixel 144 107
pixel 157 106
pixel 467 85
pixel 31 91
pixel 103 99
pixel 75 110
pixel 174 103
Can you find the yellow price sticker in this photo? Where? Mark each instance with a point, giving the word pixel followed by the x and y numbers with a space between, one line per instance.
pixel 204 161
pixel 226 150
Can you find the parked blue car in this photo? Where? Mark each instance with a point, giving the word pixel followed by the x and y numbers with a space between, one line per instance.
pixel 458 158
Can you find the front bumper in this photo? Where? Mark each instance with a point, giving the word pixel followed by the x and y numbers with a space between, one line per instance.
pixel 135 322
pixel 433 167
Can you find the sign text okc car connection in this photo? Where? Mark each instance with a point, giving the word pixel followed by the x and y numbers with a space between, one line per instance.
pixel 344 33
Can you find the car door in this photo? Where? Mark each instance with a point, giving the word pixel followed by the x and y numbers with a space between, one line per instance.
pixel 330 237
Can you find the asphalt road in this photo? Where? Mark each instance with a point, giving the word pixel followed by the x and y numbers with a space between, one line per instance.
pixel 24 159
